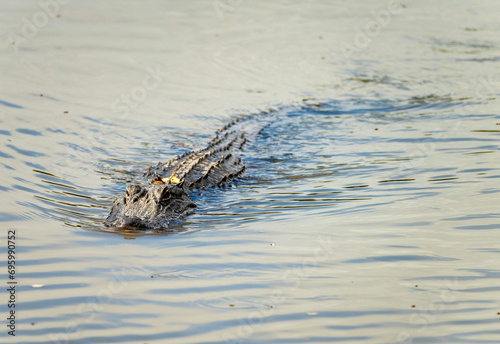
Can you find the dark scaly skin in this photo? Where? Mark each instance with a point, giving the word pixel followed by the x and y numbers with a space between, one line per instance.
pixel 153 204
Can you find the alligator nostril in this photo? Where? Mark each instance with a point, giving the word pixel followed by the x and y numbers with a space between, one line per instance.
pixel 134 189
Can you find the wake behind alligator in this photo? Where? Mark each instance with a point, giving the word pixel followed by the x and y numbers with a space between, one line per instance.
pixel 165 193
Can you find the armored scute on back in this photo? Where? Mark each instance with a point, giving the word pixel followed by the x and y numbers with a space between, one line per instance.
pixel 164 197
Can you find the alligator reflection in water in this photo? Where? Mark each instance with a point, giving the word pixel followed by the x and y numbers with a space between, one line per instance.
pixel 164 194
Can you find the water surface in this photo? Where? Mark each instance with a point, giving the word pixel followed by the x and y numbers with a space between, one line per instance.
pixel 369 210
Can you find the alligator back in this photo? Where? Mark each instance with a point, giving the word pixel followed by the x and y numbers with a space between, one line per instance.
pixel 218 163
pixel 165 196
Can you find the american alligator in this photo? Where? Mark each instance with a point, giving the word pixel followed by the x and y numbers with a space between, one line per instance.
pixel 164 195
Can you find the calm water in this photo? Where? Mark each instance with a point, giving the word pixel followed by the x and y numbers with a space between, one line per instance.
pixel 369 212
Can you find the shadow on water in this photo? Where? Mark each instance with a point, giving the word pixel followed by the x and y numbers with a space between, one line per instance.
pixel 11 105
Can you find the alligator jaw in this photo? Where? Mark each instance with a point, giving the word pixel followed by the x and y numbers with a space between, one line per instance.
pixel 128 224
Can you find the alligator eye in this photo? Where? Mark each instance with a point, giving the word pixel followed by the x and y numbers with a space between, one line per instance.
pixel 165 194
pixel 127 193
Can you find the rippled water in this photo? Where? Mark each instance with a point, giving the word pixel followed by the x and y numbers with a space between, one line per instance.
pixel 369 211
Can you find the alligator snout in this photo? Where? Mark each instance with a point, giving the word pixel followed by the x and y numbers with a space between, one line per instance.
pixel 131 223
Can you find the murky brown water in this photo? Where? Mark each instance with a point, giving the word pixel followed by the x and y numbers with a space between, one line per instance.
pixel 369 212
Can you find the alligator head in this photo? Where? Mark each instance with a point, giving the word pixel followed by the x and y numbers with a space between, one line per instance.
pixel 149 206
